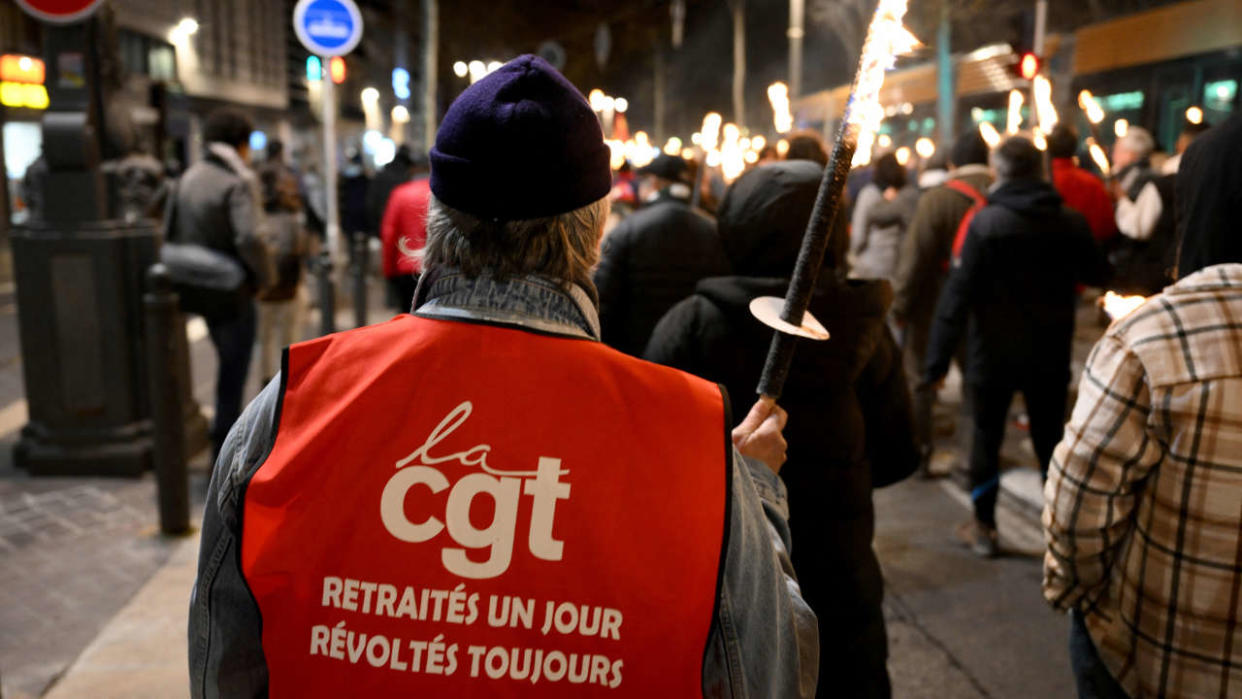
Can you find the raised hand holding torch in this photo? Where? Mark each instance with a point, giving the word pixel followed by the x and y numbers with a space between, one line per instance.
pixel 886 39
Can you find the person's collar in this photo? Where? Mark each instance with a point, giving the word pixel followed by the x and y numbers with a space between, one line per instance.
pixel 1222 276
pixel 534 302
pixel 971 169
pixel 1063 163
pixel 228 155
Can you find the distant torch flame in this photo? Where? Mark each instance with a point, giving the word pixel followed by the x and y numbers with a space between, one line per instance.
pixel 782 118
pixel 1090 106
pixel 710 131
pixel 886 39
pixel 1014 121
pixel 1044 111
pixel 1118 306
pixel 1099 156
pixel 989 133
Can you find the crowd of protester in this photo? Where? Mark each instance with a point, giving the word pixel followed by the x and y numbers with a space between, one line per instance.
pixel 979 256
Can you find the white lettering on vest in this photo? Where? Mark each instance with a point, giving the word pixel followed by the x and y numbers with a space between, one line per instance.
pixel 505 489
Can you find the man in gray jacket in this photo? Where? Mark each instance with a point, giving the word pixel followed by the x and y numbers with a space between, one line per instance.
pixel 218 206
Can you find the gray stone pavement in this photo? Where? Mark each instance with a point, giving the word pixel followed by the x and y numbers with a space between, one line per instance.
pixel 74 551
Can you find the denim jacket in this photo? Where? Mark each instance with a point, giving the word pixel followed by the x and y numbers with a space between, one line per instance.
pixel 763 642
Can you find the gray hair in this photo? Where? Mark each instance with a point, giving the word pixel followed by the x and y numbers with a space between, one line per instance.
pixel 563 247
pixel 1138 141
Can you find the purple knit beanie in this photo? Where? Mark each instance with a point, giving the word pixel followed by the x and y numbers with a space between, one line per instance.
pixel 521 143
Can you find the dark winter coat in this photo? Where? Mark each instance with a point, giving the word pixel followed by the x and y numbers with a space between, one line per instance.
pixel 1014 290
pixel 649 262
pixel 379 191
pixel 849 411
pixel 1209 191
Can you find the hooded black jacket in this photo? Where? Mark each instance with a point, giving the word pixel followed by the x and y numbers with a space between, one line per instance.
pixel 849 411
pixel 1209 199
pixel 1016 287
pixel 649 262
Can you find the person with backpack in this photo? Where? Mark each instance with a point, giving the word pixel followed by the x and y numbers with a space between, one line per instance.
pixel 923 265
pixel 216 255
pixel 1015 287
pixel 280 307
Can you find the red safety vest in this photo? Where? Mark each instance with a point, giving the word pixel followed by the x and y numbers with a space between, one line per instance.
pixel 463 510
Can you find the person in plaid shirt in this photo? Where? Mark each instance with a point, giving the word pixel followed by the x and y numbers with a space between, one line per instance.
pixel 1144 496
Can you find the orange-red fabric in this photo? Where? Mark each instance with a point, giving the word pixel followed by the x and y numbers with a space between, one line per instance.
pixel 367 421
pixel 963 227
pixel 1085 193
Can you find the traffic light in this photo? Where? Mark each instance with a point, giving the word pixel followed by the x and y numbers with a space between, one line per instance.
pixel 314 69
pixel 336 69
pixel 1028 66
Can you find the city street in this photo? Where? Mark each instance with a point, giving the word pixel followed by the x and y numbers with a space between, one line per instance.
pixel 610 230
pixel 91 595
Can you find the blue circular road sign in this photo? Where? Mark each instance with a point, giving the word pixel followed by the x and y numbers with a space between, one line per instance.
pixel 327 27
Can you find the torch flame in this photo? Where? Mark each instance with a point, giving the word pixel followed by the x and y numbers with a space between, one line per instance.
pixel 989 133
pixel 1118 306
pixel 887 38
pixel 1015 112
pixel 1090 106
pixel 710 131
pixel 1044 110
pixel 778 96
pixel 1099 156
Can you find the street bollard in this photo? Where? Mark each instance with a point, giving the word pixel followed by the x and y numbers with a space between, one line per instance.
pixel 327 294
pixel 163 322
pixel 361 249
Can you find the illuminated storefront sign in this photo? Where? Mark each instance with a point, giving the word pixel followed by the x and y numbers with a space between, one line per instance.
pixel 21 82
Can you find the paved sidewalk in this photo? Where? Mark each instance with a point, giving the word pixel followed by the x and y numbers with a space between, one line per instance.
pixel 142 650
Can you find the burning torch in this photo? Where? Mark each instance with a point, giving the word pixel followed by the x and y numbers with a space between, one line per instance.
pixel 886 39
pixel 1095 114
pixel 709 136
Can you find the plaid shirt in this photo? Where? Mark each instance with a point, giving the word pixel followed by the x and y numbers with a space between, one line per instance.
pixel 1144 495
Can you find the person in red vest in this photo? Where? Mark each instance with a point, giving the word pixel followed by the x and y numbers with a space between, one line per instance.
pixel 480 499
pixel 1081 191
pixel 403 233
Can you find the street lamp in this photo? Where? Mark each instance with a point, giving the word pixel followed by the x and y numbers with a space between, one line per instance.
pixel 460 69
pixel 621 104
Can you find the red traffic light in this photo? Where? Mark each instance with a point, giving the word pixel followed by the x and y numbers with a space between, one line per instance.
pixel 336 69
pixel 1028 67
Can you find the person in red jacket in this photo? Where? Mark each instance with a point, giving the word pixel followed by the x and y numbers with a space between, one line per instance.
pixel 403 233
pixel 1082 191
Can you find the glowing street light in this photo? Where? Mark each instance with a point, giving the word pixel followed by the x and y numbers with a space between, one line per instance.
pixel 903 155
pixel 596 98
pixel 1194 115
pixel 461 69
pixel 400 114
pixel 1121 127
pixel 477 70
pixel 370 95
pixel 183 30
pixel 621 104
pixel 925 147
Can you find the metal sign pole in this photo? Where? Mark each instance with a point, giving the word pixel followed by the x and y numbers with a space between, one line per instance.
pixel 331 201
